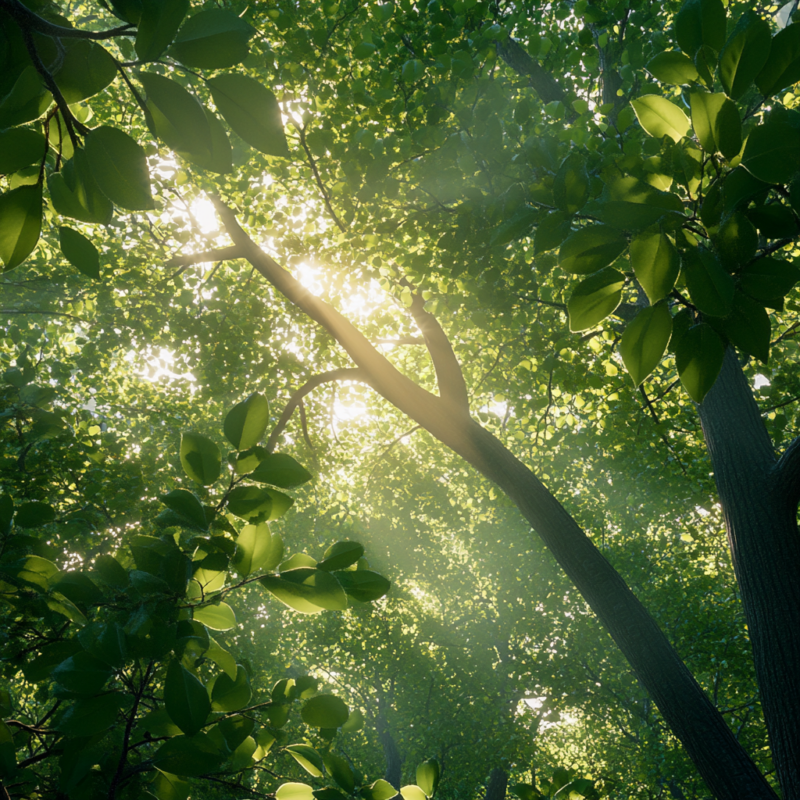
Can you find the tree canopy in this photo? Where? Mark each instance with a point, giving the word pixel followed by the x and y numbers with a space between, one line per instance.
pixel 245 244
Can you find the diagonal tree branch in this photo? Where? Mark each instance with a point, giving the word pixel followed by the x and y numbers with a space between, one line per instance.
pixel 223 254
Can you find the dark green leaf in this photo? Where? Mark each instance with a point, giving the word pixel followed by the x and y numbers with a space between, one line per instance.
pixel 186 504
pixel 75 193
pixel 768 279
pixel 80 252
pixel 20 147
pixel 673 67
pixel 744 54
pixel 736 241
pixel 20 224
pixel 656 264
pixel 34 515
pixel 185 699
pixel 111 572
pixel 191 756
pixel 91 716
pixel 166 786
pixel 158 24
pixel 519 225
pixel 590 249
pixel 340 771
pixel 280 470
pixel 645 341
pixel 698 23
pixel 246 422
pixel 26 101
pixel 200 458
pixel 699 356
pixel 363 585
pixel 325 711
pixel 710 286
pixel 782 67
pixel 716 123
pixel 571 184
pixel 307 757
pixel 82 673
pixel 772 152
pixel 341 555
pixel 774 221
pixel 6 513
pixel 748 327
pixel 252 111
pixel 236 730
pixel 214 38
pixel 307 590
pixel 250 503
pixel 86 69
pixel 594 298
pixel 231 695
pixel 119 167
pixel 739 187
pixel 551 232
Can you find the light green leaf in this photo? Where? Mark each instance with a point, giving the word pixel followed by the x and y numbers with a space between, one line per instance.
pixel 710 286
pixel 158 24
pixel 250 503
pixel 656 264
pixel 80 252
pixel 200 458
pixel 772 152
pixel 325 711
pixel 222 658
pixel 645 341
pixel 699 356
pixel 20 224
pixel 355 722
pixel 119 168
pixel 428 776
pixel 231 694
pixel 590 249
pixel 75 193
pixel 341 555
pixel 166 786
pixel 218 617
pixel 246 422
pixel 412 792
pixel 256 549
pixel 594 298
pixel 214 38
pixel 252 111
pixel 363 585
pixel 716 123
pixel 380 790
pixel 307 590
pixel 673 67
pixel 744 54
pixel 307 757
pixel 185 699
pixel 659 117
pixel 294 791
pixel 632 205
pixel 782 67
pixel 26 101
pixel 698 23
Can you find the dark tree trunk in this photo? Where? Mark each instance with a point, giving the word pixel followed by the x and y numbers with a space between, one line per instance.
pixel 759 502
pixel 394 763
pixel 498 783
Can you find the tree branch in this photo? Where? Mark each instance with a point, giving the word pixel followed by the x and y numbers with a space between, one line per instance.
pixel 345 374
pixel 543 83
pixel 26 19
pixel 223 254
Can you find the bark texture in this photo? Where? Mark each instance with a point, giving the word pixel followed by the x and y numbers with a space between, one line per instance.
pixel 759 504
pixel 498 783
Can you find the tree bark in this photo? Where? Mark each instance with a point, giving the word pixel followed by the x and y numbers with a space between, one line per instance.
pixel 498 783
pixel 760 509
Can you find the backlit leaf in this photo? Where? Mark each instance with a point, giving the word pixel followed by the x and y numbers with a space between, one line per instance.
pixel 673 67
pixel 782 67
pixel 699 356
pixel 214 38
pixel 200 458
pixel 119 168
pixel 590 249
pixel 744 54
pixel 218 617
pixel 716 123
pixel 660 117
pixel 158 24
pixel 698 23
pixel 325 711
pixel 645 341
pixel 594 298
pixel 656 264
pixel 20 224
pixel 231 694
pixel 246 422
pixel 710 286
pixel 186 699
pixel 80 252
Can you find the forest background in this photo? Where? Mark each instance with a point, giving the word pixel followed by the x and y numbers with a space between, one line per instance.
pixel 575 222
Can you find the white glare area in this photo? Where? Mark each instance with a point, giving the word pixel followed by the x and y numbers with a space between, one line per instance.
pixel 362 303
pixel 346 412
pixel 534 703
pixel 309 277
pixel 205 215
pixel 761 381
pixel 161 365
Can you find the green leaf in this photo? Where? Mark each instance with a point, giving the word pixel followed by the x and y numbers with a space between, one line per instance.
pixel 75 193
pixel 659 117
pixel 551 232
pixel 34 515
pixel 19 148
pixel 656 264
pixel 6 513
pixel 736 241
pixel 119 167
pixel 630 204
pixel 191 756
pixel 221 158
pixel 744 54
pixel 716 123
pixel 294 791
pixel 412 792
pixel 341 555
pixel 363 585
pixel 200 458
pixel 250 503
pixel 772 152
pixel 256 549
pixel 231 694
pixel 590 249
pixel 26 101
pixel 594 298
pixel 748 327
pixel 214 38
pixel 412 70
pixel 519 225
pixel 91 716
pixel 571 184
pixel 307 757
pixel 252 111
pixel 246 422
pixel 325 711
pixel 82 673
pixel 782 67
pixel 222 658
pixel 739 187
pixel 699 356
pixel 86 69
pixel 235 730
pixel 158 24
pixel 710 286
pixel 185 699
pixel 673 67
pixel 80 252
pixel 645 341
pixel 774 221
pixel 166 786
pixel 177 117
pixel 340 771
pixel 280 470
pixel 355 722
pixel 768 279
pixel 307 590
pixel 698 23
pixel 219 617
pixel 20 224
pixel 186 504
pixel 428 776
pixel 380 790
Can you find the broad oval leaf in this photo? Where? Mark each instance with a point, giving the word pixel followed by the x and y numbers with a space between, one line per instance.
pixel 252 111
pixel 191 756
pixel 75 193
pixel 748 327
pixel 19 148
pixel 736 241
pixel 363 585
pixel 379 790
pixel 91 715
pixel 340 771
pixel 86 69
pixel 699 356
pixel 341 555
pixel 250 503
pixel 660 117
pixel 294 791
pixel 231 694
pixel 307 757
pixel 281 470
pixel 412 792
pixel 307 590
pixel 214 38
pixel 428 776
pixel 716 123
pixel 700 23
pixel 325 711
pixel 80 252
pixel 772 152
pixel 246 422
pixel 185 699
pixel 590 249
pixel 744 54
pixel 710 286
pixel 20 224
pixel 218 617
pixel 200 458
pixel 655 263
pixel 186 504
pixel 158 23
pixel 82 673
pixel 673 67
pixel 571 184
pixel 256 548
pixel 782 67
pixel 645 341
pixel 594 298
pixel 768 279
pixel 119 167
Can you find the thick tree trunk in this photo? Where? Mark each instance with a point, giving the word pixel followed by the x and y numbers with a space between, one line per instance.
pixel 498 783
pixel 759 503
